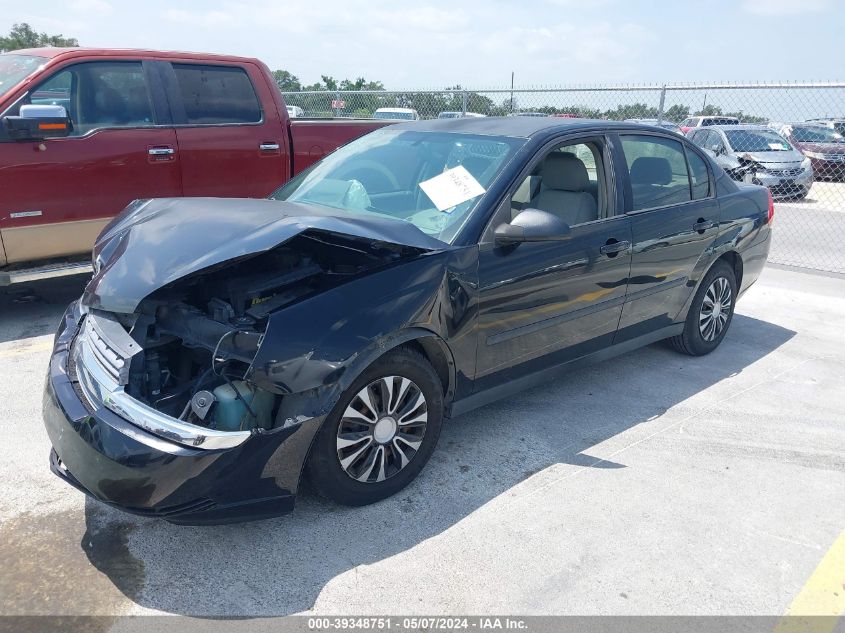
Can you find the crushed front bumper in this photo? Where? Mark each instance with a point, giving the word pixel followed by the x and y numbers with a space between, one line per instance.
pixel 125 465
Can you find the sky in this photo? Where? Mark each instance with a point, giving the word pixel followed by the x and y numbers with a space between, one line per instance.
pixel 475 43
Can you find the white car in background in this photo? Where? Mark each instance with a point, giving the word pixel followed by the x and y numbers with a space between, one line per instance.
pixel 398 114
pixel 295 112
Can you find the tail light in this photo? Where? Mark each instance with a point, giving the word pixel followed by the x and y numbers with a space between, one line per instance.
pixel 771 207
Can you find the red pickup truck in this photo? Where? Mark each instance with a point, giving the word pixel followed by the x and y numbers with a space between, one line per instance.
pixel 85 131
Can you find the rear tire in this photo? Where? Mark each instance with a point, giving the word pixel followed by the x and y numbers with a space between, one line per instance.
pixel 710 313
pixel 381 433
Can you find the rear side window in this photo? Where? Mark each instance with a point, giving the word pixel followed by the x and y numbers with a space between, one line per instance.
pixel 699 177
pixel 217 94
pixel 658 171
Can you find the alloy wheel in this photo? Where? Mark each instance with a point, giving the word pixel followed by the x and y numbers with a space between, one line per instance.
pixel 381 429
pixel 715 309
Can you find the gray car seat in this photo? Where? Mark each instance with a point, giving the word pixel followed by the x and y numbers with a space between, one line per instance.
pixel 564 189
pixel 651 183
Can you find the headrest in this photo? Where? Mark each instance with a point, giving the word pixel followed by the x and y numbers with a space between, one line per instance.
pixel 651 170
pixel 562 170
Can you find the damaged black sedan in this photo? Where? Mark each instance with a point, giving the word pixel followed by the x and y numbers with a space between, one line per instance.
pixel 225 349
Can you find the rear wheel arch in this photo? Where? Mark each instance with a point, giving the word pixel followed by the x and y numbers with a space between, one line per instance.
pixel 734 260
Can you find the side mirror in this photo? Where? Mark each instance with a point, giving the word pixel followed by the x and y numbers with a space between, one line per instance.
pixel 533 225
pixel 37 122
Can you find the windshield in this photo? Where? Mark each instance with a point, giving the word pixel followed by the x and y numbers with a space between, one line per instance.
pixel 13 68
pixel 816 134
pixel 433 180
pixel 394 115
pixel 756 141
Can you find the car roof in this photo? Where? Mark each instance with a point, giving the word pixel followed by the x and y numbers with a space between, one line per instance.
pixel 517 126
pixel 51 52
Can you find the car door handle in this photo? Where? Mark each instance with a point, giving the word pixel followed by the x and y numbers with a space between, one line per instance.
pixel 269 147
pixel 161 151
pixel 702 225
pixel 614 247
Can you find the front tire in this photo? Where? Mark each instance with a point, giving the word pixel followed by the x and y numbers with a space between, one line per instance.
pixel 710 313
pixel 381 433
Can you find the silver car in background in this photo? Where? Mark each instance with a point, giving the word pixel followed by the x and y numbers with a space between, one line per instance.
pixel 759 155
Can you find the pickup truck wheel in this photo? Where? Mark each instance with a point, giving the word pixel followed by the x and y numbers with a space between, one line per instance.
pixel 710 314
pixel 381 433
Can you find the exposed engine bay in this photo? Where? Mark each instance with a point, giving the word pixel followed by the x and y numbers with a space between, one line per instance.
pixel 197 337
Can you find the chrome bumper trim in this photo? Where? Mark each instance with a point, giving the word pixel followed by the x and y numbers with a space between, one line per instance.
pixel 102 390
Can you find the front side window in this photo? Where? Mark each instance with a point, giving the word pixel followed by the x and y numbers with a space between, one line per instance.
pixel 217 94
pixel 98 95
pixel 434 180
pixel 568 182
pixel 658 171
pixel 14 68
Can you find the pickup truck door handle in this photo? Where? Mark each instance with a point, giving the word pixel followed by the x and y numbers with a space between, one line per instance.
pixel 702 225
pixel 613 248
pixel 161 151
pixel 269 147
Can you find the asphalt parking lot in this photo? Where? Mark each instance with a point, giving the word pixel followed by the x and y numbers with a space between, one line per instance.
pixel 650 484
pixel 805 227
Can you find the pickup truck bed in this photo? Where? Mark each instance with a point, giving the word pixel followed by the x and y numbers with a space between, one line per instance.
pixel 144 124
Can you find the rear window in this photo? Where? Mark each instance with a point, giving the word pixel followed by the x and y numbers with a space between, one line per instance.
pixel 720 121
pixel 217 94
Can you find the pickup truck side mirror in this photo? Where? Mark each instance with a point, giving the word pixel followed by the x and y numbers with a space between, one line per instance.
pixel 533 225
pixel 37 122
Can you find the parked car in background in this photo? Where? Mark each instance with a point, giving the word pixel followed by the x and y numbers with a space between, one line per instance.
pixel 757 154
pixel 295 112
pixel 666 125
pixel 704 121
pixel 837 124
pixel 534 114
pixel 84 131
pixel 823 145
pixel 397 114
pixel 226 348
pixel 459 115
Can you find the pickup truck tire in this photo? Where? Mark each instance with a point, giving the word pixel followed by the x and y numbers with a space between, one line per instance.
pixel 381 433
pixel 710 313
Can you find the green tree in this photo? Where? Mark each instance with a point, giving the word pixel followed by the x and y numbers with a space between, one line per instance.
pixel 676 113
pixel 23 36
pixel 288 82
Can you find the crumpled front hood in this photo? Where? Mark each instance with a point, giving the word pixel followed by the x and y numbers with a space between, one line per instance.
pixel 146 248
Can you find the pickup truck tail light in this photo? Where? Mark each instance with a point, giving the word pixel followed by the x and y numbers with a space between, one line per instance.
pixel 771 207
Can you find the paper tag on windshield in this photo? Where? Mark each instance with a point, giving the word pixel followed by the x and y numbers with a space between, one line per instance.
pixel 777 146
pixel 451 188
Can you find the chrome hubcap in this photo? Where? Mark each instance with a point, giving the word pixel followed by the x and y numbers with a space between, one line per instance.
pixel 715 309
pixel 382 429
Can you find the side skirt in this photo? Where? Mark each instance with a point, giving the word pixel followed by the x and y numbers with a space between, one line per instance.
pixel 521 384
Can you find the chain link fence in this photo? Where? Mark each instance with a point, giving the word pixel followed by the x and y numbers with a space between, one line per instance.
pixel 796 147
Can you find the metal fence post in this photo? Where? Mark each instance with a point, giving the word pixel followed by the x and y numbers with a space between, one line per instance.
pixel 337 103
pixel 660 107
pixel 465 98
